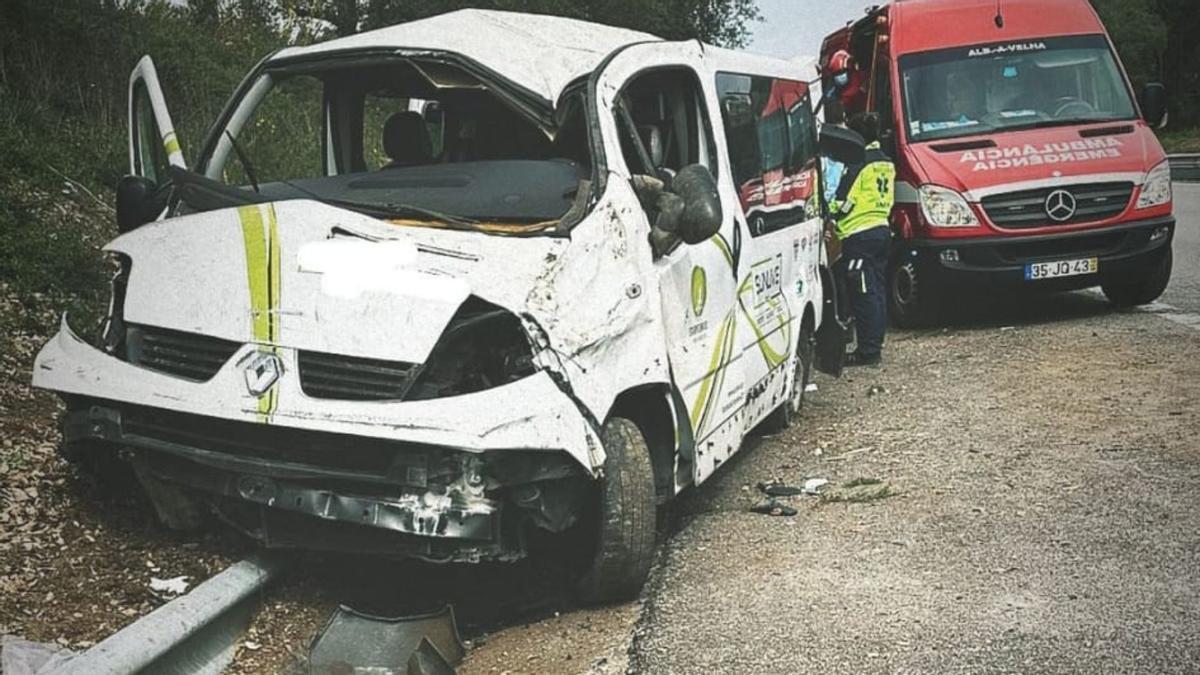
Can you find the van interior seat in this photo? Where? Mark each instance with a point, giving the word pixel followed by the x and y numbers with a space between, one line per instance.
pixel 406 140
pixel 652 140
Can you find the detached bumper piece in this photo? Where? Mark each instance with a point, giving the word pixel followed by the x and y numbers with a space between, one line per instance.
pixel 291 488
pixel 426 644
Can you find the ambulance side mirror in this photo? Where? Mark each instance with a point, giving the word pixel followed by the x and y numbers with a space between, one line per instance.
pixel 702 215
pixel 1154 104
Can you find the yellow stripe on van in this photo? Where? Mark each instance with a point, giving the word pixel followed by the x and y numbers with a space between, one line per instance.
pixel 171 143
pixel 261 240
pixel 711 385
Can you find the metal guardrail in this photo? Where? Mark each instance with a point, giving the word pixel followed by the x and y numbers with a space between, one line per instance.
pixel 1185 168
pixel 195 634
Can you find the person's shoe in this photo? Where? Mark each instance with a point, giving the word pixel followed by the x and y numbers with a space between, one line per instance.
pixel 857 359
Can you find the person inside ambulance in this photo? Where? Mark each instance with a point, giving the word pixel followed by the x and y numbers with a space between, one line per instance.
pixel 962 101
pixel 862 206
pixel 848 82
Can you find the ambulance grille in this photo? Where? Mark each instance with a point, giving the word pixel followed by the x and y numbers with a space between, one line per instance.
pixel 187 355
pixel 347 378
pixel 1027 208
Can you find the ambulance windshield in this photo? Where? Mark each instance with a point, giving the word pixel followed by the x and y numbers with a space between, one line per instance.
pixel 984 89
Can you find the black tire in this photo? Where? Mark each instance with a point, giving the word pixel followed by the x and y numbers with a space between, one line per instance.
pixel 912 301
pixel 788 412
pixel 1142 289
pixel 626 522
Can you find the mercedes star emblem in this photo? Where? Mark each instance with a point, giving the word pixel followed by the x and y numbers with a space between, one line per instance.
pixel 1060 206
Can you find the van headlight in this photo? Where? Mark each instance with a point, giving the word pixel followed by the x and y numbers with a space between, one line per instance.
pixel 1156 191
pixel 99 318
pixel 483 347
pixel 943 207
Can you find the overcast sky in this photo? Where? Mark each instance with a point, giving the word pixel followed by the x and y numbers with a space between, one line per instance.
pixel 793 28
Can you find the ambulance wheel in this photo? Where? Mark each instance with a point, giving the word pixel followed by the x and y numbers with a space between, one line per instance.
pixel 1142 288
pixel 626 518
pixel 912 302
pixel 786 414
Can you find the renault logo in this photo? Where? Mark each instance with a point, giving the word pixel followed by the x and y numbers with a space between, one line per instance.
pixel 1060 206
pixel 262 370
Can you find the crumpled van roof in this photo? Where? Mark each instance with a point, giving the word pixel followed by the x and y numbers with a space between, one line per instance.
pixel 540 53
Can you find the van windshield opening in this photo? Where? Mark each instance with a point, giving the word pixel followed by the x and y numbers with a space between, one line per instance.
pixel 984 89
pixel 413 142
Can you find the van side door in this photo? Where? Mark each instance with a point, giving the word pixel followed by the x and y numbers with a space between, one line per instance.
pixel 770 131
pixel 657 106
pixel 153 145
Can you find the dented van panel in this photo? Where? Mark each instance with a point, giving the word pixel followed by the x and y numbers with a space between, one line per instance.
pixel 417 351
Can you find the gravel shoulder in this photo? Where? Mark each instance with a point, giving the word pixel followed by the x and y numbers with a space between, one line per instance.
pixel 1044 516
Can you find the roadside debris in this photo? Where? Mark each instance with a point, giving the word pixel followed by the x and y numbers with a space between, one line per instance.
pixel 23 657
pixel 169 588
pixel 354 642
pixel 773 507
pixel 813 486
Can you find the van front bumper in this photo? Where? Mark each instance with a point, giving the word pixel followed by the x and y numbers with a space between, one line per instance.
pixel 1121 250
pixel 445 479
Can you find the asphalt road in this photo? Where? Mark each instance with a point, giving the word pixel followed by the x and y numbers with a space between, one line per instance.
pixel 1184 291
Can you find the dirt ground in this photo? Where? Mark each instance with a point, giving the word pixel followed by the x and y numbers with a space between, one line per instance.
pixel 1039 515
pixel 1015 493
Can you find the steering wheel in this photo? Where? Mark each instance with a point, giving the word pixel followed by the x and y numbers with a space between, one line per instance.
pixel 1070 106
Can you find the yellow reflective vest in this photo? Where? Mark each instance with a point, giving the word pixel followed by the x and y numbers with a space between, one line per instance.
pixel 866 195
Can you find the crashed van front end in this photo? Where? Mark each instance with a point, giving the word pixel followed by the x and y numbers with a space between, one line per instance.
pixel 356 388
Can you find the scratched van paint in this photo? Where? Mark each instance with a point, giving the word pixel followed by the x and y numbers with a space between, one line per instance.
pixel 441 288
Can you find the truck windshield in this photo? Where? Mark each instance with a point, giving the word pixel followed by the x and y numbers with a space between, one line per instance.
pixel 992 88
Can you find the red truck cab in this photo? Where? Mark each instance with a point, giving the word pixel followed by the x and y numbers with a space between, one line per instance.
pixel 1023 158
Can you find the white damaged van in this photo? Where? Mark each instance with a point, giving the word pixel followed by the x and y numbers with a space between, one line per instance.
pixel 441 288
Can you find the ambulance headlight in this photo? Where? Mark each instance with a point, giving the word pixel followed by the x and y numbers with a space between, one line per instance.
pixel 943 207
pixel 1156 191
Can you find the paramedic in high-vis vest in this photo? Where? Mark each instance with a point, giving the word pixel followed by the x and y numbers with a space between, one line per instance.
pixel 861 206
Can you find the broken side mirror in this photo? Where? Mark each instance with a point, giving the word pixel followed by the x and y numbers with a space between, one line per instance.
pixel 842 145
pixel 701 215
pixel 1154 104
pixel 138 202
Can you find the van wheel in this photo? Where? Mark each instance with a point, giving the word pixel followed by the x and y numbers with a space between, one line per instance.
pixel 1142 289
pixel 625 531
pixel 912 302
pixel 788 412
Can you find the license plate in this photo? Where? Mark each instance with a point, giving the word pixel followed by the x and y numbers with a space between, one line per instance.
pixel 1061 268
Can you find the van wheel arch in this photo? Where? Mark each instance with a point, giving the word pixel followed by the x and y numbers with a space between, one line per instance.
pixel 648 406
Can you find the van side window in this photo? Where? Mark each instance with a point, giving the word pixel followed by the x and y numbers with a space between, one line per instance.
pixel 669 119
pixel 771 133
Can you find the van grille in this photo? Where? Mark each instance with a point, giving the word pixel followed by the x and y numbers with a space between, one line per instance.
pixel 1027 208
pixel 353 379
pixel 187 355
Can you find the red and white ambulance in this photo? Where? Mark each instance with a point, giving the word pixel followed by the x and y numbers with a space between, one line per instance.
pixel 1023 158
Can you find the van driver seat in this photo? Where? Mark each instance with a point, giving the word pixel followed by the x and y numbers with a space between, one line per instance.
pixel 406 140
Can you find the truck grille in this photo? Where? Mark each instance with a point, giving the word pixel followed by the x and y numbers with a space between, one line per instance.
pixel 1027 208
pixel 187 355
pixel 353 379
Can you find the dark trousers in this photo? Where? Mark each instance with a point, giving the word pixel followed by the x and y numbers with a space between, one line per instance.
pixel 863 267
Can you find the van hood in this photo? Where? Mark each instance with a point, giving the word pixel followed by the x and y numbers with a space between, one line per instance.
pixel 306 275
pixel 1118 151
